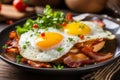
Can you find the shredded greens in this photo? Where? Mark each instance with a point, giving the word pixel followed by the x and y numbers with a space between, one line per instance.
pixel 49 19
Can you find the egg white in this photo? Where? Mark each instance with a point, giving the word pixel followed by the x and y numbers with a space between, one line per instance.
pixel 32 52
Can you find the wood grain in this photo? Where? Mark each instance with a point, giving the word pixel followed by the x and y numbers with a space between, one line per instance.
pixel 9 12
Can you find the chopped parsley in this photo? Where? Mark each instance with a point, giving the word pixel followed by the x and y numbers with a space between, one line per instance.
pixel 27 43
pixel 88 36
pixel 31 35
pixel 59 49
pixel 82 26
pixel 24 46
pixel 58 66
pixel 70 39
pixel 5 46
pixel 18 58
pixel 79 35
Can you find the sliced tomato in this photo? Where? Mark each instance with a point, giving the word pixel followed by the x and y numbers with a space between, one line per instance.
pixel 19 5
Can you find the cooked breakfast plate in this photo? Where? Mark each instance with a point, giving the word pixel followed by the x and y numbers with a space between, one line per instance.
pixel 58 42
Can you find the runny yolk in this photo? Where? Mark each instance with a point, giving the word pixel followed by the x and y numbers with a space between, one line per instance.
pixel 50 39
pixel 77 28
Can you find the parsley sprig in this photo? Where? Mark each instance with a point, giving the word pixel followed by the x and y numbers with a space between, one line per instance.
pixel 18 58
pixel 49 19
pixel 60 49
pixel 58 66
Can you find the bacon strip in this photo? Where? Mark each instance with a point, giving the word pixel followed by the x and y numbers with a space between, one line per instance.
pixel 38 64
pixel 12 43
pixel 88 50
pixel 75 60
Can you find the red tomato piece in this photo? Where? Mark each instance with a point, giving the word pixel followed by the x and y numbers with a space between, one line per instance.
pixel 43 34
pixel 35 26
pixel 81 36
pixel 19 5
pixel 64 24
pixel 69 17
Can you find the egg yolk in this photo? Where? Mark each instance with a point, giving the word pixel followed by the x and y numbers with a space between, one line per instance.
pixel 76 28
pixel 50 39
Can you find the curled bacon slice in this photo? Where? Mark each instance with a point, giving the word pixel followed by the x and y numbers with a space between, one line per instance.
pixel 12 50
pixel 13 43
pixel 98 57
pixel 75 60
pixel 38 64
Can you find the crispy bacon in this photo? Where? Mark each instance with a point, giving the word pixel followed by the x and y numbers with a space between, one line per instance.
pixel 12 50
pixel 24 60
pixel 38 64
pixel 12 43
pixel 88 50
pixel 83 53
pixel 75 60
pixel 13 35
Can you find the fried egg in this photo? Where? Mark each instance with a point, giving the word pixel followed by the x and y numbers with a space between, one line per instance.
pixel 89 29
pixel 47 46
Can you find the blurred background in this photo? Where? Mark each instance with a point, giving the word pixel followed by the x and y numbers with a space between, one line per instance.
pixel 12 10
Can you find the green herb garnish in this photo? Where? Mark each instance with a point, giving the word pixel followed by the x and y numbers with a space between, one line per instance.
pixel 58 66
pixel 27 43
pixel 82 26
pixel 79 35
pixel 59 49
pixel 70 39
pixel 31 35
pixel 18 58
pixel 88 36
pixel 49 19
pixel 24 46
pixel 5 46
